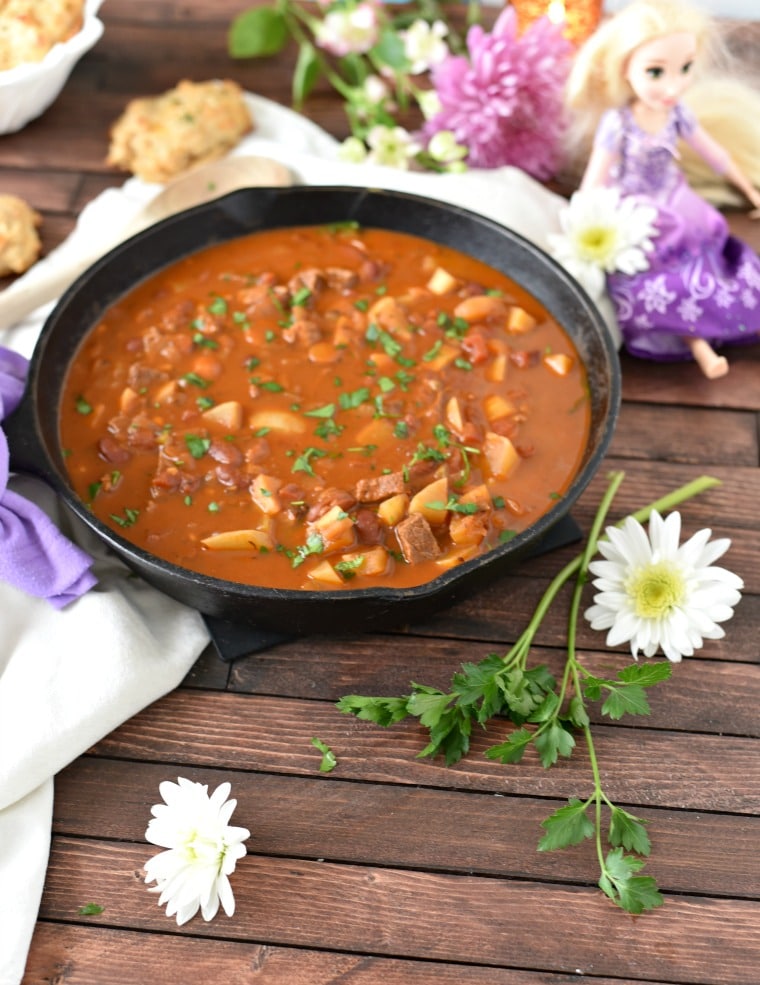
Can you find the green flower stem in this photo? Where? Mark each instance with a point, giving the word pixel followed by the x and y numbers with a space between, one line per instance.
pixel 664 503
pixel 293 14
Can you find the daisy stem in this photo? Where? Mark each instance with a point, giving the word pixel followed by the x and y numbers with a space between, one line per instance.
pixel 571 666
pixel 576 566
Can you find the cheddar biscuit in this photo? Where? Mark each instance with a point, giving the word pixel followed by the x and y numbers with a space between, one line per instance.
pixel 19 242
pixel 29 29
pixel 159 137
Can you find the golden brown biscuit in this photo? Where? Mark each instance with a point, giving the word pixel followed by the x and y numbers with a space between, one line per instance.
pixel 19 242
pixel 29 29
pixel 159 137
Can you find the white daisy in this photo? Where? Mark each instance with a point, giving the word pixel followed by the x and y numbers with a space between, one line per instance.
pixel 202 849
pixel 656 594
pixel 603 233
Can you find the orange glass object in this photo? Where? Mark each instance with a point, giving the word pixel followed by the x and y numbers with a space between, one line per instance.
pixel 580 17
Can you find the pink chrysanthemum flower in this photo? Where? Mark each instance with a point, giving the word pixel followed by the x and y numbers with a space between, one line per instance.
pixel 505 101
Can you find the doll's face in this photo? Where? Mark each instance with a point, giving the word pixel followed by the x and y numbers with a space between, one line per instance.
pixel 659 71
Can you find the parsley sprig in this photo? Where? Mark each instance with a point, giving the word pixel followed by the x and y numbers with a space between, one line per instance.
pixel 548 714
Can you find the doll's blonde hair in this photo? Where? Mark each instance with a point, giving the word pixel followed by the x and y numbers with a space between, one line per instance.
pixel 725 105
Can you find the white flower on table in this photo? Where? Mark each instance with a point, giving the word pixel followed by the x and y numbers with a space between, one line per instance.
pixel 202 849
pixel 655 594
pixel 603 233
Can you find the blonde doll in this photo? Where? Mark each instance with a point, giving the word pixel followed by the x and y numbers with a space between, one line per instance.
pixel 702 287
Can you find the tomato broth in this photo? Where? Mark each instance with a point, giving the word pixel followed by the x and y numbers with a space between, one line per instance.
pixel 324 407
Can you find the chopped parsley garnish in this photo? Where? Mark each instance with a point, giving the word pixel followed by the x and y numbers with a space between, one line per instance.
pixel 327 411
pixel 197 446
pixel 82 406
pixel 196 380
pixel 348 401
pixel 90 910
pixel 349 567
pixel 455 506
pixel 425 454
pixel 314 545
pixel 218 306
pixel 329 762
pixel 200 339
pixel 271 385
pixel 345 226
pixel 328 429
pixel 129 518
pixel 301 297
pixel 303 462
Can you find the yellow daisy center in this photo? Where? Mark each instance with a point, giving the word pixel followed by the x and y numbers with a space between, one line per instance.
pixel 597 242
pixel 656 589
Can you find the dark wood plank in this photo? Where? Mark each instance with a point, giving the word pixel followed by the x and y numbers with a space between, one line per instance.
pixel 433 916
pixel 673 384
pixel 690 771
pixel 102 956
pixel 712 696
pixel 687 434
pixel 465 832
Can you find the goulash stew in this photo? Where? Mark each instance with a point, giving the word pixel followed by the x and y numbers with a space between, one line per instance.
pixel 324 407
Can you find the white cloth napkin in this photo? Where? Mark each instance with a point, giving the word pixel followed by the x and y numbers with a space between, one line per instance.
pixel 69 677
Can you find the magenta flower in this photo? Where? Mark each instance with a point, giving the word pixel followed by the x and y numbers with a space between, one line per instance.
pixel 505 101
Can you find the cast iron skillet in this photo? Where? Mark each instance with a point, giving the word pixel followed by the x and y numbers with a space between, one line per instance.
pixel 33 429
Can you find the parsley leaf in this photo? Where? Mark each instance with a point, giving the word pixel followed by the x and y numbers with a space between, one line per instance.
pixel 569 825
pixel 90 910
pixel 619 881
pixel 329 762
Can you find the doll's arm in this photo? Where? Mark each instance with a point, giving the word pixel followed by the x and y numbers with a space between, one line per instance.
pixel 599 167
pixel 721 162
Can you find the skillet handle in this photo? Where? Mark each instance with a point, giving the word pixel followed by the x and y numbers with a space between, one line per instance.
pixel 27 454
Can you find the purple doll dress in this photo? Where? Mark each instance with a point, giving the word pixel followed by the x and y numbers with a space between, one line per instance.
pixel 701 280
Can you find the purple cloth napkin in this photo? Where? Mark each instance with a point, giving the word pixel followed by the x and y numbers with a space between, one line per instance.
pixel 34 554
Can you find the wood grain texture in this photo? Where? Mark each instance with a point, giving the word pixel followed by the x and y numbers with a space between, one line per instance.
pixel 421 915
pixel 465 832
pixel 73 955
pixel 247 732
pixel 394 870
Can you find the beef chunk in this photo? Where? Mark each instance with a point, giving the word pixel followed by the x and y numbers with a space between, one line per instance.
pixel 416 539
pixel 379 488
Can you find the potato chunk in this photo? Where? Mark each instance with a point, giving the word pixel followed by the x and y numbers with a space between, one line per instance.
pixel 336 528
pixel 393 509
pixel 442 282
pixel 501 455
pixel 263 491
pixel 559 363
pixel 239 540
pixel 229 414
pixel 430 501
pixel 277 420
pixel 325 573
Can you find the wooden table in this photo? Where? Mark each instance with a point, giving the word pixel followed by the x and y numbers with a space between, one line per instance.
pixel 392 869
